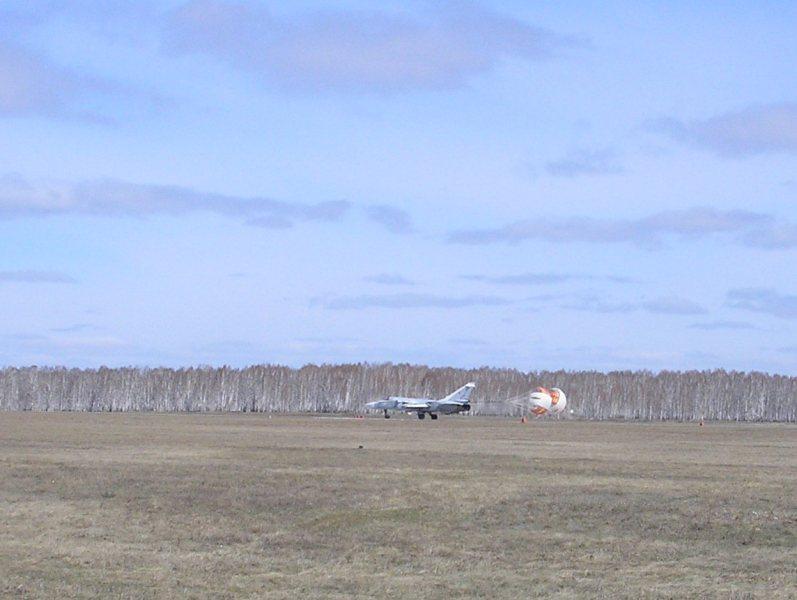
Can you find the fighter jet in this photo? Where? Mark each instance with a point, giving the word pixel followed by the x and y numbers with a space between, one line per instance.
pixel 453 403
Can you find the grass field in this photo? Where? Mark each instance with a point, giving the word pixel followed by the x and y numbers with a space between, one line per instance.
pixel 223 506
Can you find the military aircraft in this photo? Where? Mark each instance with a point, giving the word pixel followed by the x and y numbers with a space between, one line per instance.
pixel 453 403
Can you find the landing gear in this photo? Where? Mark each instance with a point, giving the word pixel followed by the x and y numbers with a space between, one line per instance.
pixel 433 416
pixel 421 416
pixel 387 416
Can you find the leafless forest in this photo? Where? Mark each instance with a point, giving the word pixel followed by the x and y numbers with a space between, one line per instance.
pixel 691 395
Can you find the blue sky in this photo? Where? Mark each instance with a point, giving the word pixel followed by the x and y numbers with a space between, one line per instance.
pixel 602 185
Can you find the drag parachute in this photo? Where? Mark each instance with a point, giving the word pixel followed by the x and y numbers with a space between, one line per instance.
pixel 558 401
pixel 542 401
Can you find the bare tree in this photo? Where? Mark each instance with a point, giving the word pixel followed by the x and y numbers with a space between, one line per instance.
pixel 639 395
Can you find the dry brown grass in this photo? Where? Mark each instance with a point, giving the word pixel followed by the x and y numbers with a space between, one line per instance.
pixel 224 506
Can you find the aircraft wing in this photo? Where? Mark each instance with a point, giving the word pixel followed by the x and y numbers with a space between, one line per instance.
pixel 414 405
pixel 451 402
pixel 410 403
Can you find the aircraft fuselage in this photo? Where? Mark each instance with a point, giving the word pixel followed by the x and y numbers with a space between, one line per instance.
pixel 454 403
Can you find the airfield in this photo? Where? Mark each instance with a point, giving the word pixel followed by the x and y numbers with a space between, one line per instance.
pixel 118 505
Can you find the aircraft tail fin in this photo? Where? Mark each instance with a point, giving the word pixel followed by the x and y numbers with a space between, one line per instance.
pixel 462 395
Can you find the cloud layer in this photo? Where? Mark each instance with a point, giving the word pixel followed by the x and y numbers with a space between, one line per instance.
pixel 412 301
pixel 722 325
pixel 585 162
pixel 661 306
pixel 522 278
pixel 388 279
pixel 754 130
pixel 749 228
pixel 30 85
pixel 543 278
pixel 35 277
pixel 114 198
pixel 395 220
pixel 764 300
pixel 374 50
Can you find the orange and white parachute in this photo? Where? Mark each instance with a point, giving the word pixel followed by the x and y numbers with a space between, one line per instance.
pixel 542 401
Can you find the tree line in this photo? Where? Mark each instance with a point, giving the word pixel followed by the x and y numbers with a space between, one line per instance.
pixel 643 395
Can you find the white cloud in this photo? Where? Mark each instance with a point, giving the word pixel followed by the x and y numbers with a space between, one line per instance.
pixel 749 228
pixel 754 130
pixel 20 197
pixel 662 306
pixel 389 279
pixel 368 50
pixel 722 325
pixel 585 162
pixel 544 278
pixel 28 276
pixel 395 220
pixel 34 86
pixel 412 301
pixel 764 300
pixel 30 85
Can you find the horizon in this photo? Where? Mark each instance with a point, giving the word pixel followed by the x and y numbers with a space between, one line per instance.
pixel 600 187
pixel 200 367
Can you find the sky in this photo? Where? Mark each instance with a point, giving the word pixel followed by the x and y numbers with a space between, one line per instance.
pixel 532 185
